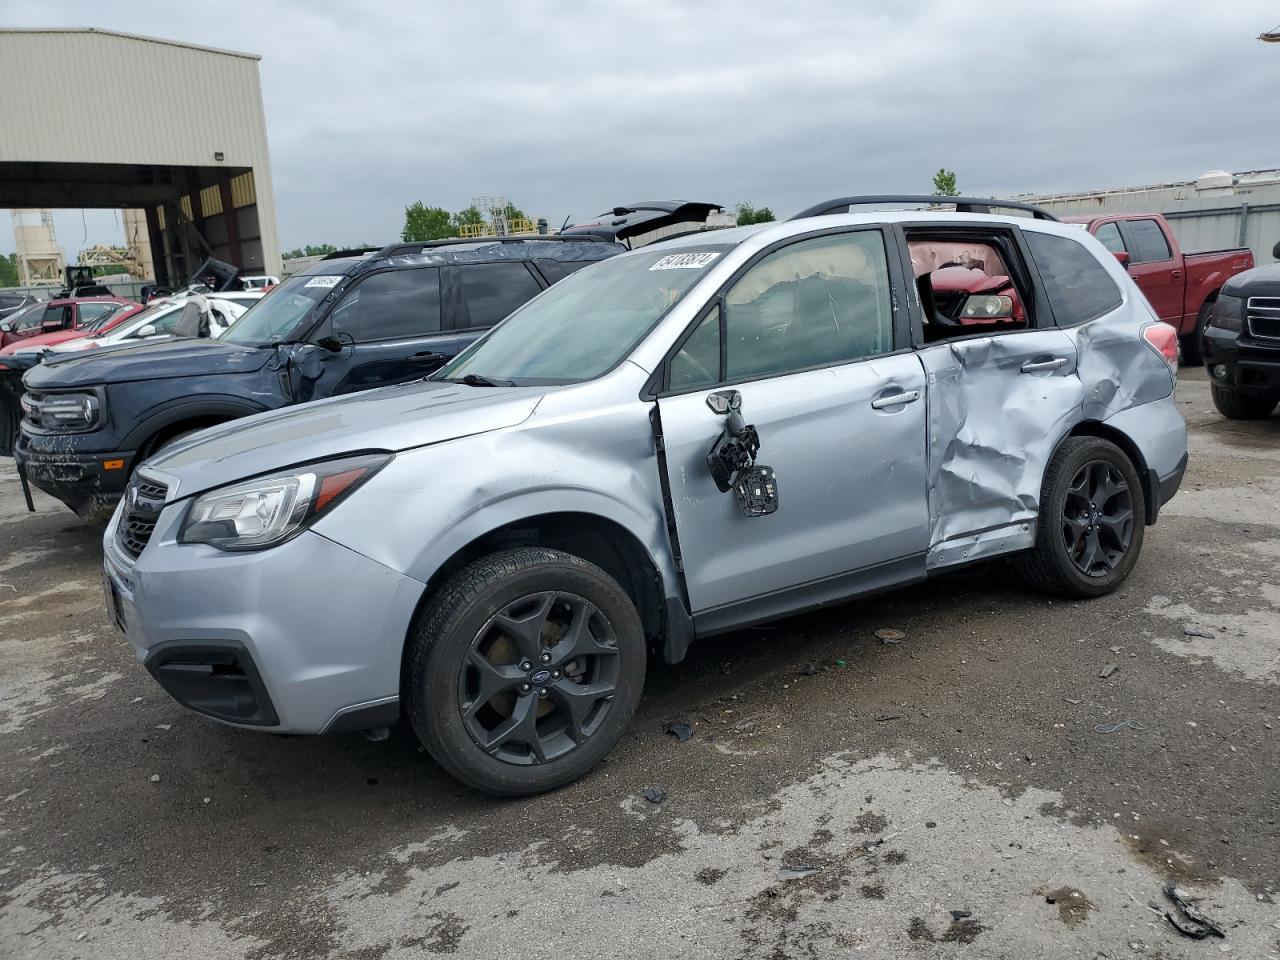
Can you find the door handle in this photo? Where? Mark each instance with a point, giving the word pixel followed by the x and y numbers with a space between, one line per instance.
pixel 1176 274
pixel 429 355
pixel 1036 366
pixel 895 399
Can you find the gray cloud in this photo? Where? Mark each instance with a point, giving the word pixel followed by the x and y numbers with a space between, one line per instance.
pixel 569 108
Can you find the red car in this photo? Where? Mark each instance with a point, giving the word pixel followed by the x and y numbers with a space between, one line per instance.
pixel 64 319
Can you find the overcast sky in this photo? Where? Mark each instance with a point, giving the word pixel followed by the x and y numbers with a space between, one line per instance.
pixel 569 108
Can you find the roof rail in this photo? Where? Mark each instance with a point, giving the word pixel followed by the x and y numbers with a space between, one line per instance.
pixel 353 252
pixel 962 204
pixel 399 248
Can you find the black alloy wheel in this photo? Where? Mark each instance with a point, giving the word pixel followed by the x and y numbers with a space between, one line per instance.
pixel 1097 518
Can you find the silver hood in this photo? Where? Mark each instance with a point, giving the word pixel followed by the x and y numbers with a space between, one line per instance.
pixel 392 419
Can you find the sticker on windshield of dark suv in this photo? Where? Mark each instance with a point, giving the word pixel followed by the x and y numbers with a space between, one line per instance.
pixel 323 282
pixel 684 261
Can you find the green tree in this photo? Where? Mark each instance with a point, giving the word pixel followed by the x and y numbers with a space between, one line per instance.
pixel 310 250
pixel 425 223
pixel 747 214
pixel 944 183
pixel 466 218
pixel 9 270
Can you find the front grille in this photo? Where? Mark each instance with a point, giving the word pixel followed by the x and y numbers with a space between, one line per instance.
pixel 1263 314
pixel 143 499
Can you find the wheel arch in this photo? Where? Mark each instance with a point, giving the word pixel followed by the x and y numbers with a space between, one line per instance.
pixel 168 421
pixel 595 538
pixel 1150 483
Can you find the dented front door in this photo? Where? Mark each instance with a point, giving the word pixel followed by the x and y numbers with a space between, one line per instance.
pixel 998 406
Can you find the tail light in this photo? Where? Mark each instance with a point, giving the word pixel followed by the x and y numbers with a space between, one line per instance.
pixel 1163 339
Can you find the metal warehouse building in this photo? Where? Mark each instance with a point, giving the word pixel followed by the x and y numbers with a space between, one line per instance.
pixel 1215 211
pixel 94 118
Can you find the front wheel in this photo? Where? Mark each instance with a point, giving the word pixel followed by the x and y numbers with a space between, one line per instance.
pixel 1092 514
pixel 524 670
pixel 1241 406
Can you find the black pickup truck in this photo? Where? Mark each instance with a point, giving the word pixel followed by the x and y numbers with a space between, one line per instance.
pixel 1241 344
pixel 351 322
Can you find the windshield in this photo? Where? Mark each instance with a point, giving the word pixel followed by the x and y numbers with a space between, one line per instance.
pixel 275 316
pixel 584 325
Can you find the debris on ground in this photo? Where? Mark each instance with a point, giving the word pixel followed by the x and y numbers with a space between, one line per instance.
pixel 888 635
pixel 1074 702
pixel 882 717
pixel 682 730
pixel 1108 670
pixel 842 663
pixel 155 778
pixel 1195 925
pixel 796 871
pixel 809 669
pixel 655 794
pixel 164 726
pixel 1193 631
pixel 960 914
pixel 1112 728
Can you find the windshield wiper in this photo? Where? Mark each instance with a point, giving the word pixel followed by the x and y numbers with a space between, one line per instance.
pixel 475 380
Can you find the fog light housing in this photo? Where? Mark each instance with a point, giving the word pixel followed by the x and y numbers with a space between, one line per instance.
pixel 1219 371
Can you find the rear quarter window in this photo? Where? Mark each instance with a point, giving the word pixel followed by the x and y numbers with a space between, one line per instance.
pixel 1078 286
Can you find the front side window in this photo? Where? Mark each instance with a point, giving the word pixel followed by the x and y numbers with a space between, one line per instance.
pixel 493 290
pixel 28 319
pixel 55 317
pixel 583 326
pixel 815 302
pixel 1148 242
pixel 1078 286
pixel 390 305
pixel 1109 235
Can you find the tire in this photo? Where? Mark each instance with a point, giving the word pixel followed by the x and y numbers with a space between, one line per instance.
pixel 1193 343
pixel 1075 530
pixel 472 653
pixel 1241 406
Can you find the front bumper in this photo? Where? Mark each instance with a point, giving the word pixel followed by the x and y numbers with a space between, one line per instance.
pixel 306 637
pixel 89 483
pixel 1247 365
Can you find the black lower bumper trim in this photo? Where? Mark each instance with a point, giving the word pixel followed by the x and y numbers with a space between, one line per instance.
pixel 83 482
pixel 1160 491
pixel 366 718
pixel 215 677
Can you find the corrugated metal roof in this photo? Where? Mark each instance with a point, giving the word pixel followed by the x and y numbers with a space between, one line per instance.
pixel 132 36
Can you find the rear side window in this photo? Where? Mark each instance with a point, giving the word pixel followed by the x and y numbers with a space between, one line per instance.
pixel 1147 243
pixel 1078 286
pixel 493 290
pixel 391 305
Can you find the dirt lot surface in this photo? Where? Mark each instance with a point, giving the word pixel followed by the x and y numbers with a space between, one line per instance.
pixel 975 790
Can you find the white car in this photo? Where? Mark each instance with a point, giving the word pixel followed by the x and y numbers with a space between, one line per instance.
pixel 258 283
pixel 159 320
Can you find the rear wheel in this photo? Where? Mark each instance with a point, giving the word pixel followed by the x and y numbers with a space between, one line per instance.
pixel 1091 520
pixel 1193 343
pixel 524 670
pixel 1241 406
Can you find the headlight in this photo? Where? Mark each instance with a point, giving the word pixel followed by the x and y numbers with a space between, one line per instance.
pixel 61 412
pixel 987 307
pixel 267 511
pixel 1228 313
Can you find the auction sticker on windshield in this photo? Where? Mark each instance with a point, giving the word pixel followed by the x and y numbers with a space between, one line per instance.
pixel 323 281
pixel 684 261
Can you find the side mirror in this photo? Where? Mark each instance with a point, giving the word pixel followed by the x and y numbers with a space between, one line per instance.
pixel 330 343
pixel 1275 251
pixel 6 327
pixel 144 331
pixel 1123 257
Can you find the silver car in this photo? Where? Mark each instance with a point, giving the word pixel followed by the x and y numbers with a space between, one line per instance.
pixel 708 432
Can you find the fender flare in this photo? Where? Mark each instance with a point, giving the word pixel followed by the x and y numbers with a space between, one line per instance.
pixel 188 408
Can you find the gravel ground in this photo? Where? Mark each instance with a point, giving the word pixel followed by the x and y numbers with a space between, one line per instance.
pixel 977 790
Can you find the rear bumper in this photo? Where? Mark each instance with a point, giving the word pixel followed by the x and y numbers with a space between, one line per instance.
pixel 1245 365
pixel 89 483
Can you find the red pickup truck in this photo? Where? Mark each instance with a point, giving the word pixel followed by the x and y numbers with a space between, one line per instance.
pixel 1180 286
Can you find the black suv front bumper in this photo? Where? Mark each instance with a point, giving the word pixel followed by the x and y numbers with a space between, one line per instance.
pixel 1239 362
pixel 91 484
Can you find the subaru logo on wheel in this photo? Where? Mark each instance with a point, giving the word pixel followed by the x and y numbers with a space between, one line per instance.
pixel 542 676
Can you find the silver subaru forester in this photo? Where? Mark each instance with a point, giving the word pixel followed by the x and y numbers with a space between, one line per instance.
pixel 712 431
